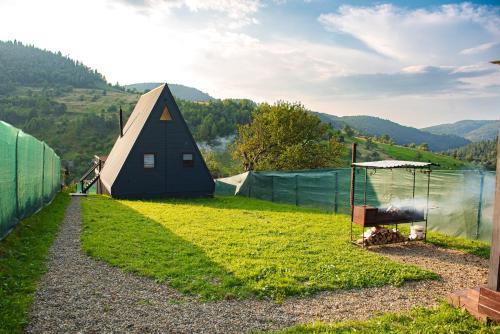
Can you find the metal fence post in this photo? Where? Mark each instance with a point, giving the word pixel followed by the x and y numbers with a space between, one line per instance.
pixel 480 204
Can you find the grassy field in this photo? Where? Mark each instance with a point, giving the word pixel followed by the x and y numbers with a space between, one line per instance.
pixel 386 151
pixel 442 319
pixel 84 101
pixel 234 247
pixel 475 247
pixel 23 256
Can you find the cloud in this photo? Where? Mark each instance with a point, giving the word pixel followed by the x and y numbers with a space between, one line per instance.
pixel 240 11
pixel 414 81
pixel 479 48
pixel 419 56
pixel 417 35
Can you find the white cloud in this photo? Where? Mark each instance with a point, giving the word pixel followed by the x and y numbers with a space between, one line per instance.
pixel 202 44
pixel 417 35
pixel 241 12
pixel 479 49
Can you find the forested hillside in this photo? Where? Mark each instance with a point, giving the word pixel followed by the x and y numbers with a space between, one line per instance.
pixel 25 65
pixel 400 134
pixel 483 153
pixel 74 110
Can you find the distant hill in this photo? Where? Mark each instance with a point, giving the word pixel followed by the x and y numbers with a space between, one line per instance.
pixel 26 65
pixel 179 91
pixel 474 131
pixel 401 134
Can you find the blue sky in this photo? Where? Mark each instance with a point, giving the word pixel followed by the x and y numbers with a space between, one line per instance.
pixel 415 62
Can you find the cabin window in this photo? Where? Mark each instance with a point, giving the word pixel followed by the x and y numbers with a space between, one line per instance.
pixel 149 160
pixel 187 159
pixel 165 115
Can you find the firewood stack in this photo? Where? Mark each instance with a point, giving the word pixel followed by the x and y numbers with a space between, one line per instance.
pixel 379 235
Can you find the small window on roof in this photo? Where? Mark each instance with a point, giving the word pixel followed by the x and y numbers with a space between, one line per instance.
pixel 149 160
pixel 187 159
pixel 165 115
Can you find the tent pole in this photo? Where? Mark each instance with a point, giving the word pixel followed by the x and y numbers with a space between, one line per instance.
pixel 353 181
pixel 427 205
pixel 366 181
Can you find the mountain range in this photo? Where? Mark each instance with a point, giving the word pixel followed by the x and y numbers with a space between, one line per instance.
pixel 179 91
pixel 402 135
pixel 474 131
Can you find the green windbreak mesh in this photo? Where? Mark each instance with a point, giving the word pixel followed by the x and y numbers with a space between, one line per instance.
pixel 460 202
pixel 30 173
pixel 8 204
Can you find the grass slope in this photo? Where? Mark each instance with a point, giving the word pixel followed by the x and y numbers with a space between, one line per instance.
pixel 386 151
pixel 442 319
pixel 234 247
pixel 23 256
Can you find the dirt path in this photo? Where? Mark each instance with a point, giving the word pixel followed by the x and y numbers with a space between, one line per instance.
pixel 84 295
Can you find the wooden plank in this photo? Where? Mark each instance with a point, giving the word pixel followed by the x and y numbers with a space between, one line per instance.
pixel 489 293
pixel 489 303
pixel 489 312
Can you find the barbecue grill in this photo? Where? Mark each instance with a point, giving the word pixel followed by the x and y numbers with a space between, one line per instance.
pixel 367 216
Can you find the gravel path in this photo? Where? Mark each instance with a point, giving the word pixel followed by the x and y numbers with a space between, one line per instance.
pixel 79 294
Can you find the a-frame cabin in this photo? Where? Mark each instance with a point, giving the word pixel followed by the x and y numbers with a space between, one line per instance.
pixel 155 155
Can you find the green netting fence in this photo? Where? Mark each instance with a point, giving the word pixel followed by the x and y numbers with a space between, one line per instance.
pixel 30 175
pixel 460 202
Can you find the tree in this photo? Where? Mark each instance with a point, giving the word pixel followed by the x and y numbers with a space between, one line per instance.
pixel 369 143
pixel 349 132
pixel 423 147
pixel 285 136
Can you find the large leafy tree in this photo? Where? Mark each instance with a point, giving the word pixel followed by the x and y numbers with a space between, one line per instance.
pixel 285 136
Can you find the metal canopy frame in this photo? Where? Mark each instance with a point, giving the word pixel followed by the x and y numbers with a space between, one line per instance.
pixel 412 166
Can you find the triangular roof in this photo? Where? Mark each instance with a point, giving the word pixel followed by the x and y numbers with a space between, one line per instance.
pixel 131 132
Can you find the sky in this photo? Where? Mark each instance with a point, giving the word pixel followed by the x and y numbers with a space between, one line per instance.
pixel 420 64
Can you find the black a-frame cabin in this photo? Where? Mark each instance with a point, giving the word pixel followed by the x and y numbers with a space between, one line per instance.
pixel 155 155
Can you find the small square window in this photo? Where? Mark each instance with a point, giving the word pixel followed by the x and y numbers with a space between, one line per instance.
pixel 149 160
pixel 187 159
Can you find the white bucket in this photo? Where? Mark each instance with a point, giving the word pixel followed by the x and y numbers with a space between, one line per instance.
pixel 416 232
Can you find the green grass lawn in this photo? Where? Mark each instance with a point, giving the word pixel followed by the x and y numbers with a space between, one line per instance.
pixel 442 319
pixel 23 260
pixel 235 247
pixel 475 247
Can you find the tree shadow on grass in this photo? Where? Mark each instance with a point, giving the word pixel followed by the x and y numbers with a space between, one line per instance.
pixel 122 237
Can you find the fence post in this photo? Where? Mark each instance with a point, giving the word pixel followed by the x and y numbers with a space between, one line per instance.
pixel 480 204
pixel 297 189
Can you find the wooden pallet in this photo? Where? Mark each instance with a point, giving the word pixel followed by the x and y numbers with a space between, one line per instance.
pixel 482 303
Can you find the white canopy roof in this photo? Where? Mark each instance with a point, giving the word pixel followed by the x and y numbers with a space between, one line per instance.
pixel 393 164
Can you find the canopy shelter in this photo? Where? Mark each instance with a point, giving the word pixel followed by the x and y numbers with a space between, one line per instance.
pixel 367 216
pixel 389 164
